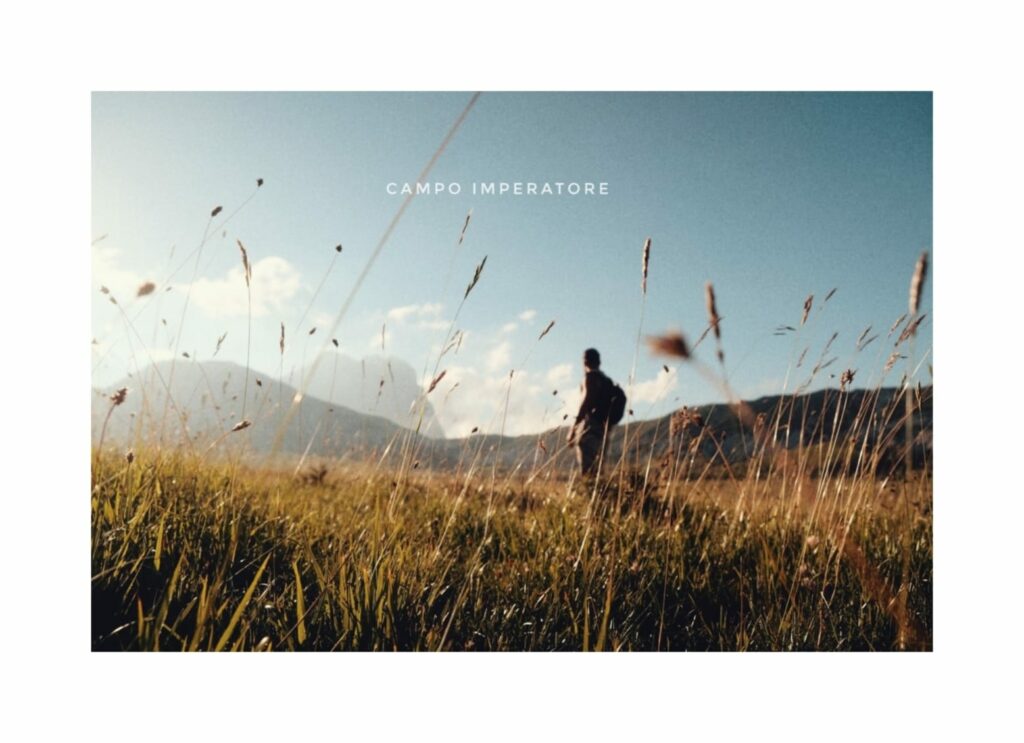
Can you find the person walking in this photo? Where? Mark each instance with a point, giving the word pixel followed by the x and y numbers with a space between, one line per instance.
pixel 602 407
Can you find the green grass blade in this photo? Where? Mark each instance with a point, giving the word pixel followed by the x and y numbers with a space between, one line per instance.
pixel 241 606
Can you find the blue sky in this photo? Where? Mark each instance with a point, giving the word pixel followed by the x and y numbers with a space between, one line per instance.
pixel 771 197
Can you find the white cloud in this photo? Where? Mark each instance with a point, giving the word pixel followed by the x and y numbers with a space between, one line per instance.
pixel 480 402
pixel 106 271
pixel 275 282
pixel 417 311
pixel 321 320
pixel 559 376
pixel 527 315
pixel 654 390
pixel 499 357
pixel 509 327
pixel 381 340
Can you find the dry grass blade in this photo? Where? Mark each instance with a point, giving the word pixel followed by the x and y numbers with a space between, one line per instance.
pixel 454 342
pixel 436 381
pixel 476 277
pixel 465 224
pixel 891 362
pixel 450 391
pixel 824 365
pixel 219 342
pixel 670 344
pixel 646 263
pixel 896 324
pixel 863 335
pixel 241 425
pixel 877 587
pixel 829 295
pixel 808 303
pixel 282 339
pixel 713 318
pixel 546 330
pixel 865 344
pixel 148 288
pixel 911 330
pixel 246 268
pixel 917 282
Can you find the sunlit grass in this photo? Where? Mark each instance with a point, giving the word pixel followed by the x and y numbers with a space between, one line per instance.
pixel 189 554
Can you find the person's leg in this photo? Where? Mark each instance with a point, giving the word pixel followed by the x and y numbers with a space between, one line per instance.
pixel 587 451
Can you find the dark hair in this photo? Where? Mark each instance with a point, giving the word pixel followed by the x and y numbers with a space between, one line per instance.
pixel 592 358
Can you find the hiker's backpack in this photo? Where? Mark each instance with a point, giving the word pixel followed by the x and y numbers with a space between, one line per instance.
pixel 616 403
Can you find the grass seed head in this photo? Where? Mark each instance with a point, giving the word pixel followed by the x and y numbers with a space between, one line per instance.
pixel 646 264
pixel 917 282
pixel 670 344
pixel 476 277
pixel 465 224
pixel 436 381
pixel 714 319
pixel 246 268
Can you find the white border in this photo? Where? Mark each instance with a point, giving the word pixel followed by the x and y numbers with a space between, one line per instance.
pixel 59 55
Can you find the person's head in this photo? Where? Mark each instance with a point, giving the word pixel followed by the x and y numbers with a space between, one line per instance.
pixel 591 359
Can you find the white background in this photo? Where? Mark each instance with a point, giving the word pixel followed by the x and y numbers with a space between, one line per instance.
pixel 53 57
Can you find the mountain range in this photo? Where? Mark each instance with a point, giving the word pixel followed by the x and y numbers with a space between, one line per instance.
pixel 207 400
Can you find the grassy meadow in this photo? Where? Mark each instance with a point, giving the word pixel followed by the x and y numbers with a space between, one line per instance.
pixel 819 537
pixel 192 554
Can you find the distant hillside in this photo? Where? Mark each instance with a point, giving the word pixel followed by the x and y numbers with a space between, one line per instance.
pixel 381 386
pixel 208 401
pixel 803 420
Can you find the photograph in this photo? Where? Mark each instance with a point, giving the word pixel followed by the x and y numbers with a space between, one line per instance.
pixel 511 371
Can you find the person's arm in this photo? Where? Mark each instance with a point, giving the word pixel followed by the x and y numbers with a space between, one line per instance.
pixel 589 402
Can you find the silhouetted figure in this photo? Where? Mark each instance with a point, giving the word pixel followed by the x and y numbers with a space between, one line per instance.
pixel 600 409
